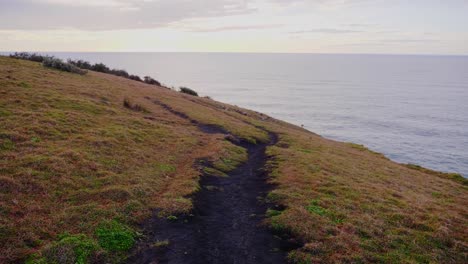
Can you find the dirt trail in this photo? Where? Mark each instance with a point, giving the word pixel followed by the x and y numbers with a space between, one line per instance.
pixel 226 224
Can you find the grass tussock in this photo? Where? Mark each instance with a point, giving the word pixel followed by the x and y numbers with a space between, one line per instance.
pixel 79 172
pixel 135 107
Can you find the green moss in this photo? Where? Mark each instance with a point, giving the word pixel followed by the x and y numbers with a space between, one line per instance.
pixel 172 218
pixel 6 144
pixel 357 146
pixel 272 213
pixel 69 249
pixel 232 158
pixel 114 236
pixel 35 139
pixel 315 208
pixel 5 112
pixel 165 168
pixel 24 85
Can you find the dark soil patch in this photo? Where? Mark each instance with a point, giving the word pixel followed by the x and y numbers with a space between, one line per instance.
pixel 226 225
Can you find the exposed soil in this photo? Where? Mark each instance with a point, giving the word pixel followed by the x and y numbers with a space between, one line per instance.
pixel 225 226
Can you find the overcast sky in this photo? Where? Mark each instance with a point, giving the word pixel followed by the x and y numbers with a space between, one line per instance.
pixel 317 26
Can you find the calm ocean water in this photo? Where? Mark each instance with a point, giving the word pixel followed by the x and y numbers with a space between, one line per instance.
pixel 414 109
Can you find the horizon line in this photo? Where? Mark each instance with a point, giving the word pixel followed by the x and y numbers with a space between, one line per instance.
pixel 249 52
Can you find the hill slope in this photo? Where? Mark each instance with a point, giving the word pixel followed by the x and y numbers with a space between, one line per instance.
pixel 79 173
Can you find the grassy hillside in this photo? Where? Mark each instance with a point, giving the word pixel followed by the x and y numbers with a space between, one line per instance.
pixel 79 172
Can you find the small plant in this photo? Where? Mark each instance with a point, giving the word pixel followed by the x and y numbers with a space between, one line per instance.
pixel 172 218
pixel 114 236
pixel 127 103
pixel 24 85
pixel 161 243
pixel 314 207
pixel 188 91
pixel 272 212
pixel 35 140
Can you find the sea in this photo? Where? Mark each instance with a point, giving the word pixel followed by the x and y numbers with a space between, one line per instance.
pixel 412 108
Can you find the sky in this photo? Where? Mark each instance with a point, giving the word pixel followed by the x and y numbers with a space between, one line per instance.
pixel 283 26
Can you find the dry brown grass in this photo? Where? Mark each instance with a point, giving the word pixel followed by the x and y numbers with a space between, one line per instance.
pixel 72 156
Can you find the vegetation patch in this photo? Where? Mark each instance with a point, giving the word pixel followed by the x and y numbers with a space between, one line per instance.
pixel 161 243
pixel 58 64
pixel 135 107
pixel 69 249
pixel 452 176
pixel 187 90
pixel 114 236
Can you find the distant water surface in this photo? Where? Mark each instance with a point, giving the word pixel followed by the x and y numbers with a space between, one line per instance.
pixel 414 109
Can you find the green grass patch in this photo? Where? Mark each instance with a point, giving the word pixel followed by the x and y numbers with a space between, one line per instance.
pixel 114 236
pixel 24 85
pixel 315 208
pixel 165 168
pixel 214 172
pixel 73 249
pixel 6 144
pixel 272 213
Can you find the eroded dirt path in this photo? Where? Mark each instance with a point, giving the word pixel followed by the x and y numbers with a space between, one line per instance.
pixel 226 224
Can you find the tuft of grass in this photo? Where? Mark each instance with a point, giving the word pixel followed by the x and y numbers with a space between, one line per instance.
pixel 114 236
pixel 214 172
pixel 135 107
pixel 161 243
pixel 231 157
pixel 72 249
pixel 7 144
pixel 24 85
pixel 315 208
pixel 272 213
pixel 172 218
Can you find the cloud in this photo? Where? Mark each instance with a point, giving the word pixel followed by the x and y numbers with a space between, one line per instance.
pixel 326 31
pixel 408 40
pixel 232 28
pixel 111 14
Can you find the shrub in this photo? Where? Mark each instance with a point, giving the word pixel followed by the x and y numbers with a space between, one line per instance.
pixel 100 67
pixel 135 78
pixel 188 91
pixel 80 63
pixel 121 73
pixel 76 66
pixel 114 236
pixel 149 80
pixel 28 56
pixel 58 64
